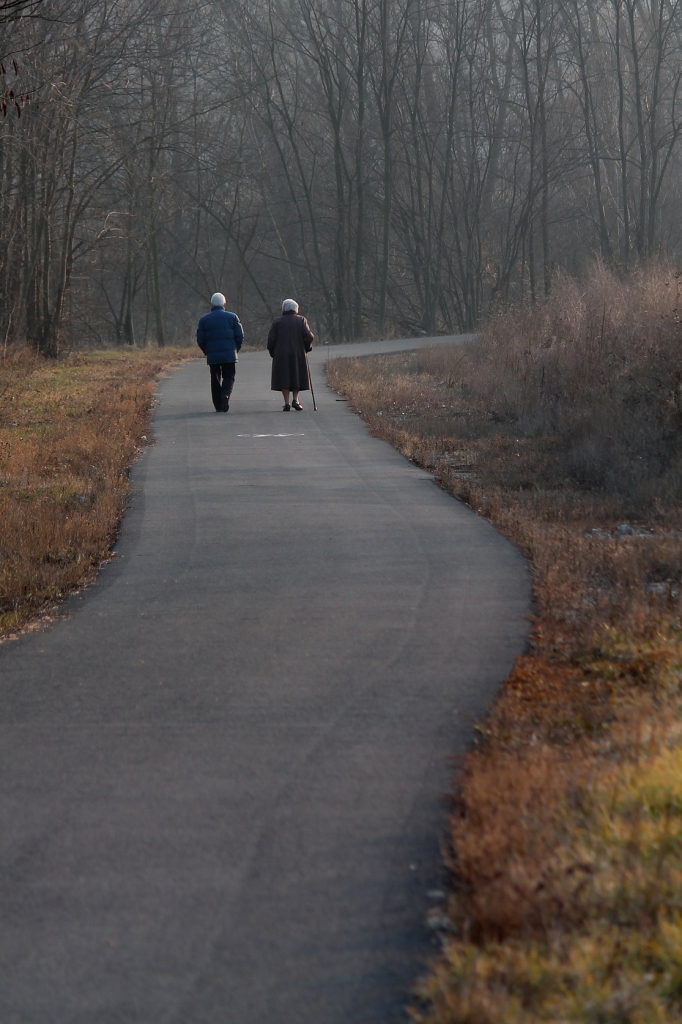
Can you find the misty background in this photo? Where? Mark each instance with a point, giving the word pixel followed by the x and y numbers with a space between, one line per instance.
pixel 397 166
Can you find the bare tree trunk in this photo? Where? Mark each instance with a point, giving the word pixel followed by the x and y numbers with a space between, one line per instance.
pixel 591 134
pixel 622 147
pixel 641 232
pixel 360 35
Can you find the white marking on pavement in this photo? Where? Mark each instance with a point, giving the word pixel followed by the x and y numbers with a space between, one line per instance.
pixel 270 435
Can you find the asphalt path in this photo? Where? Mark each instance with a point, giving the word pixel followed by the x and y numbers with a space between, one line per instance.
pixel 223 767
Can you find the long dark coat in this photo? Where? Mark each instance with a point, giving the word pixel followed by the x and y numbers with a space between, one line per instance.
pixel 289 339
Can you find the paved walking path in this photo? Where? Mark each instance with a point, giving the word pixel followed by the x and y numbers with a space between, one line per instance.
pixel 222 772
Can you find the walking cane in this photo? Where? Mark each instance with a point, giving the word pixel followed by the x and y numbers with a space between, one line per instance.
pixel 310 381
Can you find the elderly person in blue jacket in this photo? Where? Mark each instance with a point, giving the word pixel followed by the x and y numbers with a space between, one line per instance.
pixel 220 336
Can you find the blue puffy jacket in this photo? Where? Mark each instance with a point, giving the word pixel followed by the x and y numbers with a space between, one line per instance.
pixel 220 336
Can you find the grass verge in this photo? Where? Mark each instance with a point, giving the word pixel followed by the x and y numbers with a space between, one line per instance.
pixel 69 430
pixel 562 425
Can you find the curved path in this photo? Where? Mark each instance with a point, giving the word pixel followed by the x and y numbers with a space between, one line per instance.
pixel 222 771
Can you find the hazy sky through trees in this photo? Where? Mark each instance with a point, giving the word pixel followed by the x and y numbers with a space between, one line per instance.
pixel 396 165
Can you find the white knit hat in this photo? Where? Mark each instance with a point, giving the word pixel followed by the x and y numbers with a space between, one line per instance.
pixel 290 306
pixel 218 299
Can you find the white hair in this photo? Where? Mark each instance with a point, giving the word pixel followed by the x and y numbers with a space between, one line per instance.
pixel 290 306
pixel 218 299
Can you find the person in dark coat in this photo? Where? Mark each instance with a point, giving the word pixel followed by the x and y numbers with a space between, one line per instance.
pixel 220 336
pixel 289 339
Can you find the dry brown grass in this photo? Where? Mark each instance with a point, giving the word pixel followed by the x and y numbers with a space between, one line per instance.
pixel 69 430
pixel 562 425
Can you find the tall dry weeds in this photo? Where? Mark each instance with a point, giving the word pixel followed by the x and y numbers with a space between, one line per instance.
pixel 69 430
pixel 597 369
pixel 562 425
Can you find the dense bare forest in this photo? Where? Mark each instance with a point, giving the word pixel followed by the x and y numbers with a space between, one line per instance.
pixel 397 165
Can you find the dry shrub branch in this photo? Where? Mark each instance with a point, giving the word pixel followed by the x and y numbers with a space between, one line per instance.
pixel 562 425
pixel 69 430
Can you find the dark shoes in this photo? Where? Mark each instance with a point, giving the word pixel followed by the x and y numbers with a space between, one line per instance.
pixel 297 405
pixel 225 404
pixel 287 408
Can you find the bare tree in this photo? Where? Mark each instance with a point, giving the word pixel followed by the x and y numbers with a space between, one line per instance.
pixel 399 166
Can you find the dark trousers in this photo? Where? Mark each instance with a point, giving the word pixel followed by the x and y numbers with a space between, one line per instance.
pixel 222 382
